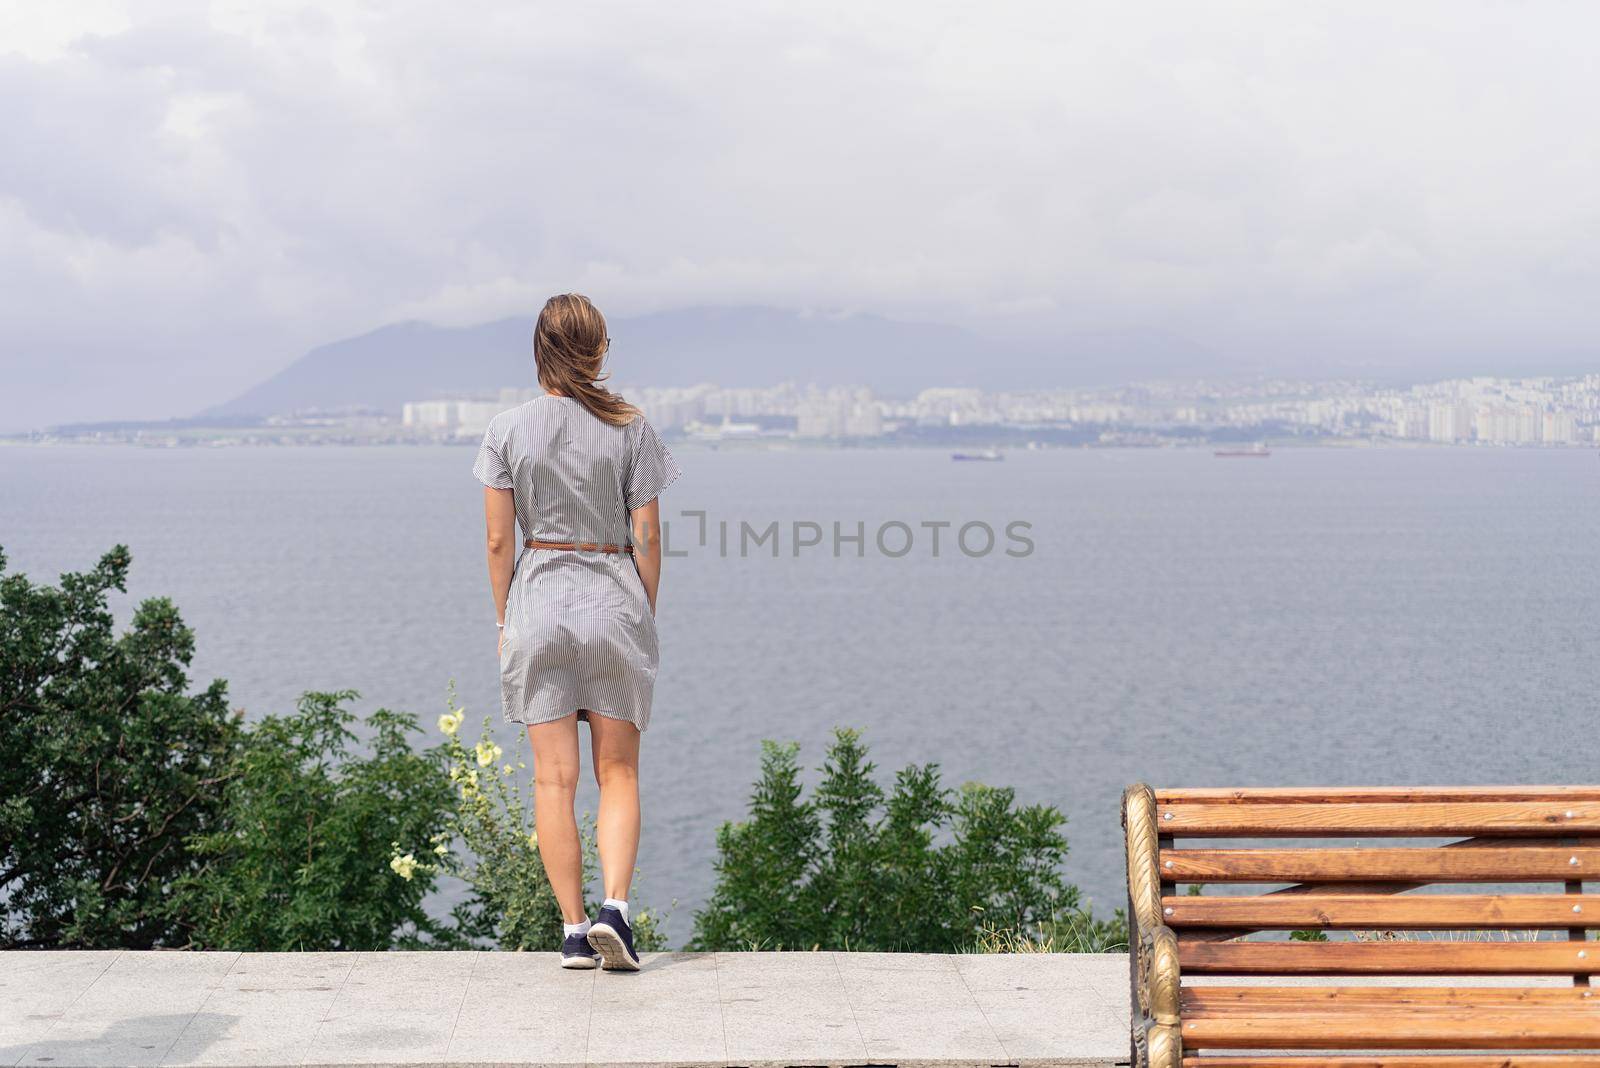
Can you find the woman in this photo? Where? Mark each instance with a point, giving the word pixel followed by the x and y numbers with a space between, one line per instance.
pixel 579 470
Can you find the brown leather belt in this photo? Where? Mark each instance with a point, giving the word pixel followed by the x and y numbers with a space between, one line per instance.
pixel 578 546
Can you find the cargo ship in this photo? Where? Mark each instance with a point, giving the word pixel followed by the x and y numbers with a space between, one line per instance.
pixel 988 455
pixel 1259 452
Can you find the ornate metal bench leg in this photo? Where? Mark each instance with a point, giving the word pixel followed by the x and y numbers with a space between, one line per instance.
pixel 1158 993
pixel 1164 1046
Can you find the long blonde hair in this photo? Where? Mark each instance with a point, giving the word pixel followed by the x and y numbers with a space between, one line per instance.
pixel 569 349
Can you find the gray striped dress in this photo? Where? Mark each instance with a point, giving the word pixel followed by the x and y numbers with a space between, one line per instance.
pixel 579 634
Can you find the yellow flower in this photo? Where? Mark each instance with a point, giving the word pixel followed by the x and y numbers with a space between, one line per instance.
pixel 487 752
pixel 441 849
pixel 404 866
pixel 450 722
pixel 506 770
pixel 533 839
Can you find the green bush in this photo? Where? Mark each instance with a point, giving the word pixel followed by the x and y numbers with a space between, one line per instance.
pixel 922 869
pixel 307 856
pixel 510 904
pixel 134 815
pixel 109 765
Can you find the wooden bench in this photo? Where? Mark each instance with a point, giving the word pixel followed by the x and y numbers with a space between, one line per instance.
pixel 1335 879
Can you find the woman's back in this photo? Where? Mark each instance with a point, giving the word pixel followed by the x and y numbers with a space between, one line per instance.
pixel 579 633
pixel 574 477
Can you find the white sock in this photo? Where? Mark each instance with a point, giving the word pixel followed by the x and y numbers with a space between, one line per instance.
pixel 579 928
pixel 620 906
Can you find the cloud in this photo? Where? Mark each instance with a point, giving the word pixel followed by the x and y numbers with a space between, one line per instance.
pixel 192 195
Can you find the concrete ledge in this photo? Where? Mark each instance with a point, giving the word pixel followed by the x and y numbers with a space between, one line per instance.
pixel 754 1010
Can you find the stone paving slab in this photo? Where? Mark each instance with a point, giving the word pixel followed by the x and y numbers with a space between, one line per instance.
pixel 36 989
pixel 684 1010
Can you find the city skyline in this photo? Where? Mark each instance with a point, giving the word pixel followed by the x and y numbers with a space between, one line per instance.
pixel 1477 410
pixel 1543 410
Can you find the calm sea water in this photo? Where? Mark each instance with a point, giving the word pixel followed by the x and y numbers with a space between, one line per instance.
pixel 1322 617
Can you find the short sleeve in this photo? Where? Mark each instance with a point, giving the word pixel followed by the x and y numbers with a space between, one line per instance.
pixel 490 466
pixel 653 469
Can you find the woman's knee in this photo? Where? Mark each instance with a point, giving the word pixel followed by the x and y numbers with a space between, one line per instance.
pixel 612 771
pixel 556 777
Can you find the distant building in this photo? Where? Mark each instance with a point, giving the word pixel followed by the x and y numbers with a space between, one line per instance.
pixel 947 406
pixel 1411 422
pixel 736 403
pixel 1524 424
pixel 727 430
pixel 1559 428
pixel 1449 422
pixel 462 418
pixel 839 413
pixel 671 409
pixel 472 417
pixel 429 415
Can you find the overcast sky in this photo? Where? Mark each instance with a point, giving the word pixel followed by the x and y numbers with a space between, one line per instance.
pixel 193 194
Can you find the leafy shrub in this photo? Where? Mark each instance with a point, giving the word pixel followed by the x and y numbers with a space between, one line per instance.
pixel 109 765
pixel 307 856
pixel 923 868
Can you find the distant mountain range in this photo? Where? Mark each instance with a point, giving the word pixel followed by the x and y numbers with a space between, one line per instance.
pixel 746 346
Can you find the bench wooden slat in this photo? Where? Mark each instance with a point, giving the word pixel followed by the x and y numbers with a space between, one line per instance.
pixel 1389 958
pixel 1411 1028
pixel 1273 795
pixel 1300 1000
pixel 1223 934
pixel 1412 865
pixel 1342 820
pixel 1401 1060
pixel 1401 912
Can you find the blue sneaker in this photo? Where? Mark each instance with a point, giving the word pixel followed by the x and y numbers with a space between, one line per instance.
pixel 613 938
pixel 576 952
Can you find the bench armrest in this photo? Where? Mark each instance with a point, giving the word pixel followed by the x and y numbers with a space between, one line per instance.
pixel 1153 950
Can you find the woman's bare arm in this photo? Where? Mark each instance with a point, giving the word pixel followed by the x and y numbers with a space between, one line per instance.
pixel 500 518
pixel 646 522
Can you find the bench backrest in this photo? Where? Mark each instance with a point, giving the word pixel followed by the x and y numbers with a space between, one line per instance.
pixel 1515 838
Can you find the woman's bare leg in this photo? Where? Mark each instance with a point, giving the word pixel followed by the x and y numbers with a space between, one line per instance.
pixel 555 788
pixel 616 769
